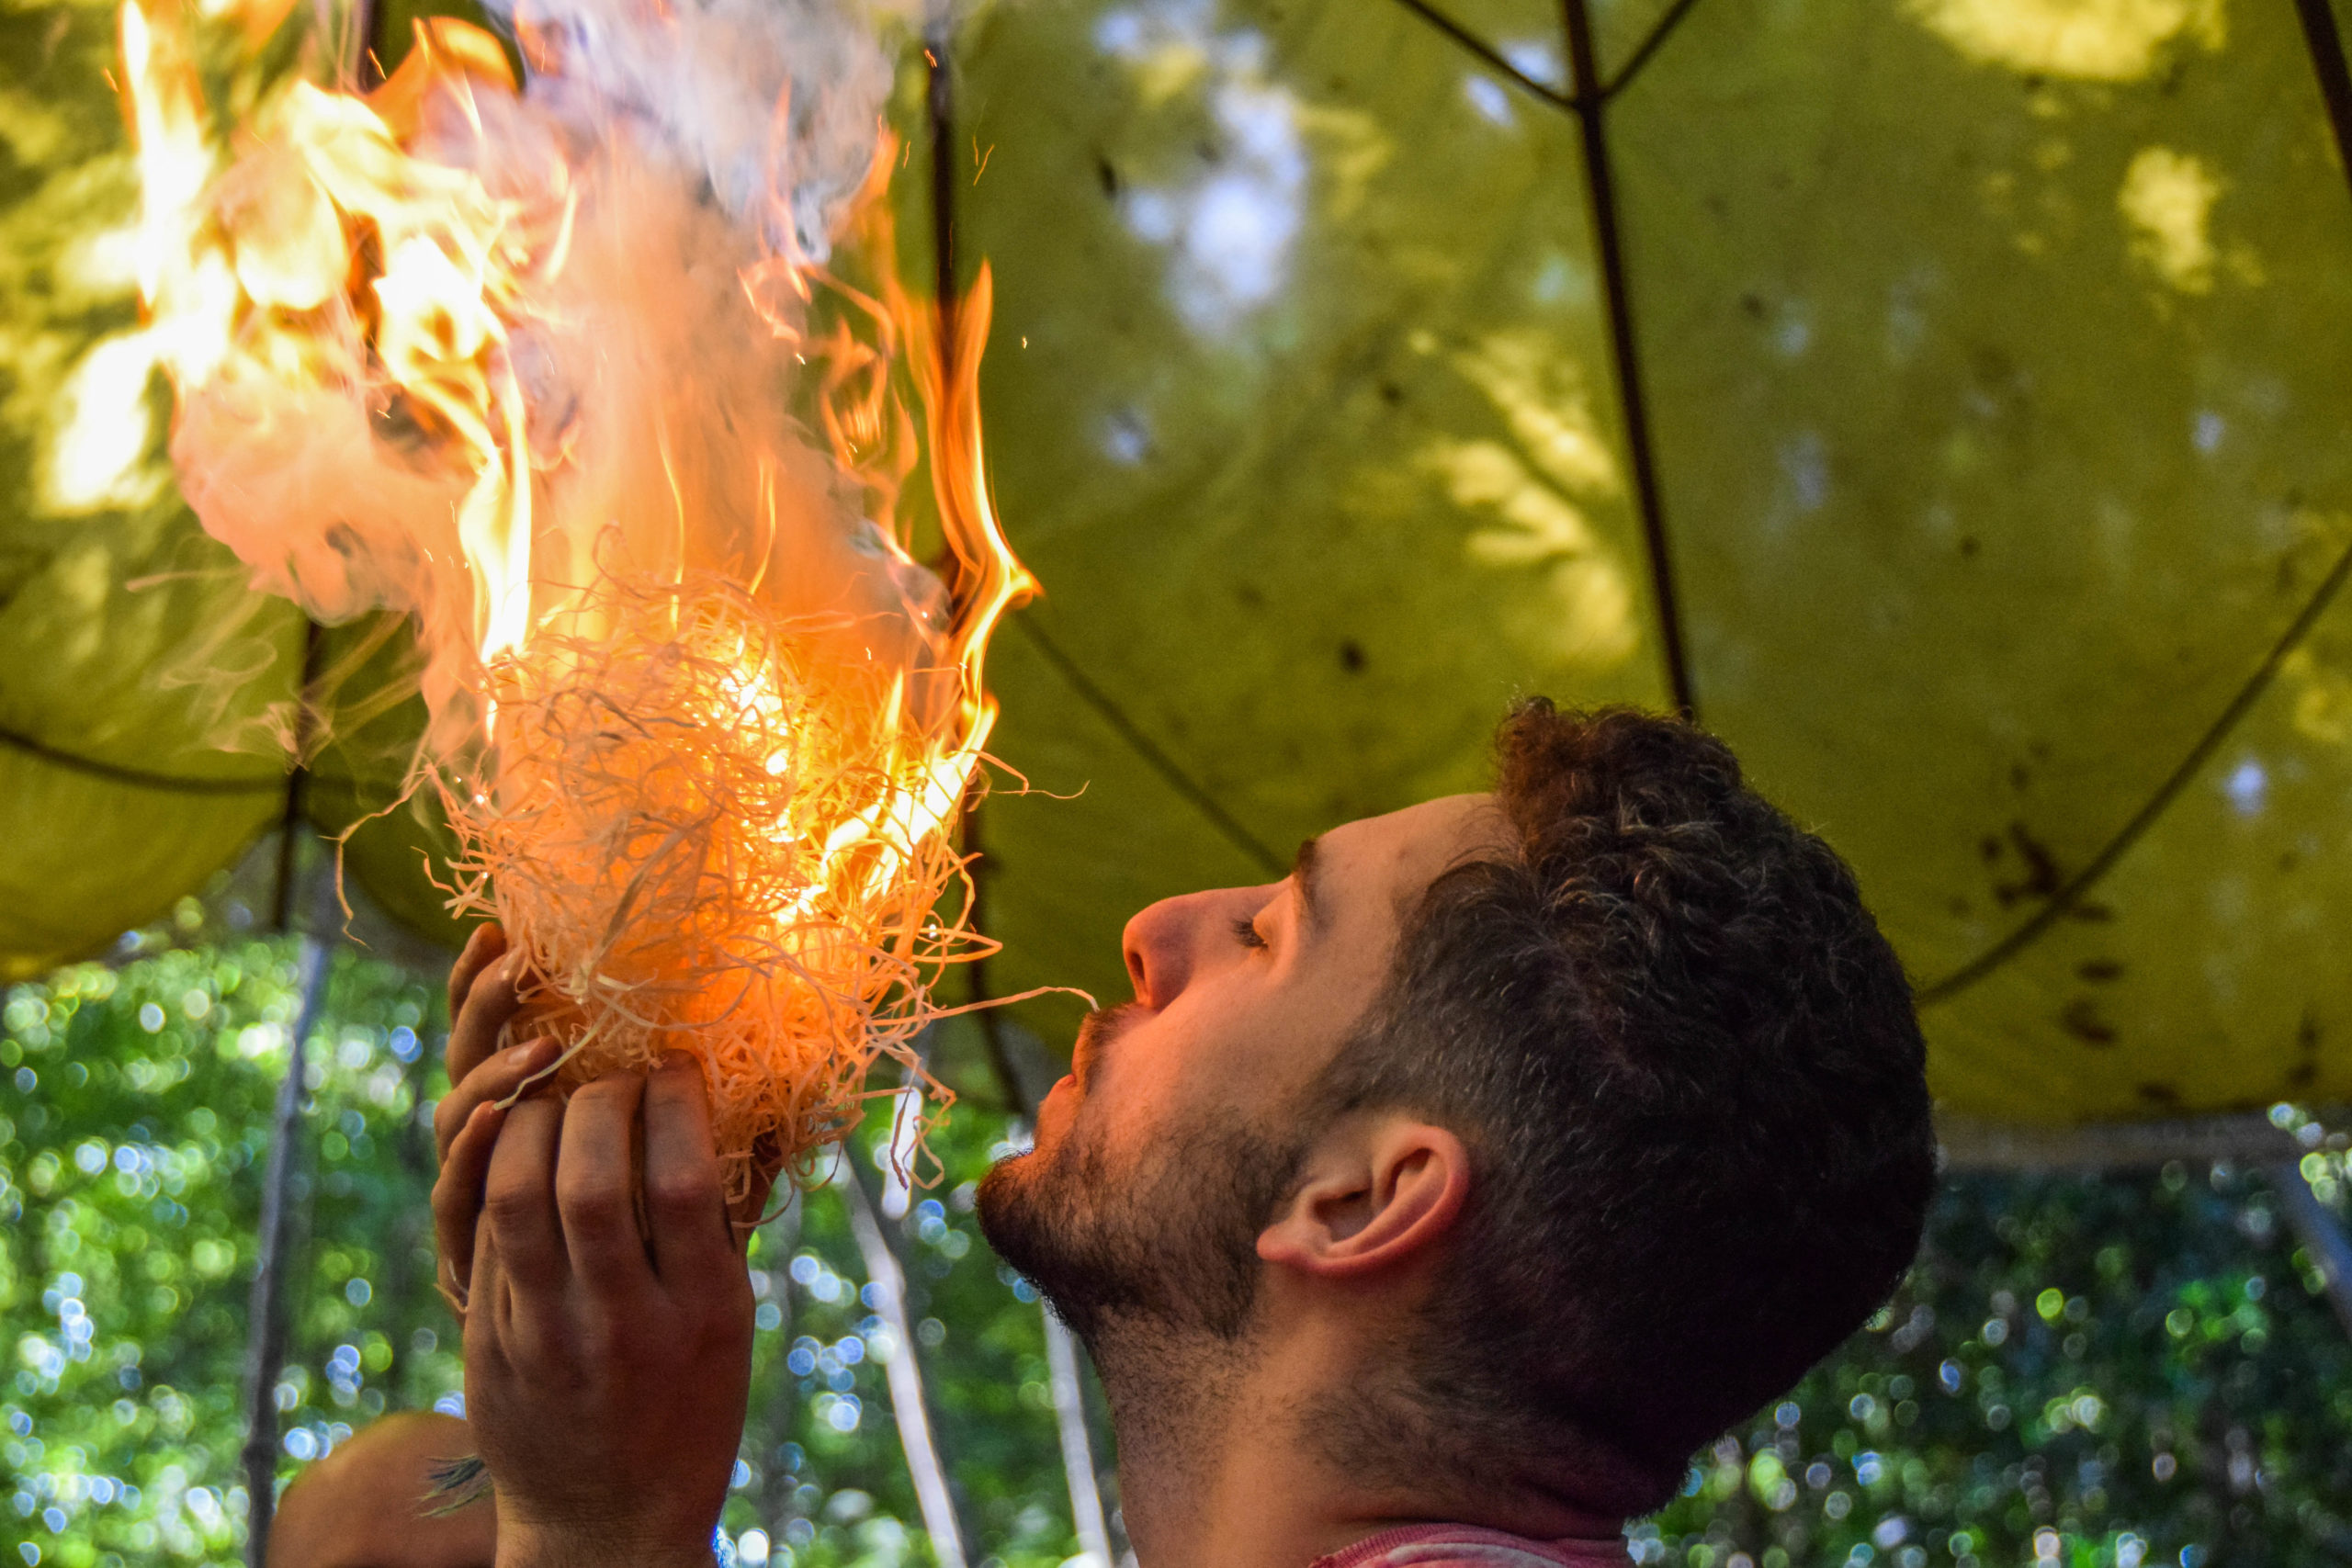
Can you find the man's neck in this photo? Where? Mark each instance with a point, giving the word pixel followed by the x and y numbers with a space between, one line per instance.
pixel 1225 1460
pixel 1210 1472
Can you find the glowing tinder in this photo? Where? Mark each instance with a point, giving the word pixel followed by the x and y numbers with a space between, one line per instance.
pixel 524 363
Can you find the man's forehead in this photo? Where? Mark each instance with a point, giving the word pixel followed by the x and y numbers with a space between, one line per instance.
pixel 1409 848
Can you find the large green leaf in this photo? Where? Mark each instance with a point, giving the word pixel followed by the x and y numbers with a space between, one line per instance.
pixel 1990 358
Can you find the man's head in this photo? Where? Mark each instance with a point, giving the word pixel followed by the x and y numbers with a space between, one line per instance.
pixel 1597 1101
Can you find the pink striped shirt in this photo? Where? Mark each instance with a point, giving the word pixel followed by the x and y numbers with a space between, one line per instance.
pixel 1463 1546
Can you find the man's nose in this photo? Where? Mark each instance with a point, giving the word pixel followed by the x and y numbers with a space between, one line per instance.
pixel 1164 943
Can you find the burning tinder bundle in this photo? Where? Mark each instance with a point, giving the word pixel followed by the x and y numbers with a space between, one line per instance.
pixel 558 369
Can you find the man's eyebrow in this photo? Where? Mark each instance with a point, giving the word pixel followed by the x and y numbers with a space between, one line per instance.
pixel 1302 880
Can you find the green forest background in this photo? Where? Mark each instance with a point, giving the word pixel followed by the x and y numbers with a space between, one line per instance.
pixel 2118 1370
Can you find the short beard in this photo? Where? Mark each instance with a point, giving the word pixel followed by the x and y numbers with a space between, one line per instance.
pixel 1170 1242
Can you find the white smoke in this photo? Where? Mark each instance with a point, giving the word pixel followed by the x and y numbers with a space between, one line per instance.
pixel 765 98
pixel 666 153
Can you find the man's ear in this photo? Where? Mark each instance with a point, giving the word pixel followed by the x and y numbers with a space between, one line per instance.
pixel 1380 1190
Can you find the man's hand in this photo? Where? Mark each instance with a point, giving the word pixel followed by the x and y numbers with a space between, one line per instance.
pixel 607 1367
pixel 487 1066
pixel 484 1069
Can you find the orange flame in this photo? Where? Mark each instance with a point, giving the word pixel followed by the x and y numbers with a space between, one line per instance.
pixel 703 732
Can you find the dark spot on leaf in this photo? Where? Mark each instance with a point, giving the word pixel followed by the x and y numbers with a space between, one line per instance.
pixel 1968 546
pixel 2082 1021
pixel 1990 847
pixel 2159 1094
pixel 2019 776
pixel 1390 392
pixel 1753 304
pixel 1352 656
pixel 2100 971
pixel 1108 176
pixel 2090 913
pixel 2042 878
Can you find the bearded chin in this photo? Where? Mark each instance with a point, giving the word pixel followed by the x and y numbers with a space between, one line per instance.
pixel 1165 1242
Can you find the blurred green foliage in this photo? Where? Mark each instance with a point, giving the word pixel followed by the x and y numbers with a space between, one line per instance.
pixel 2102 1372
pixel 134 1113
pixel 132 1140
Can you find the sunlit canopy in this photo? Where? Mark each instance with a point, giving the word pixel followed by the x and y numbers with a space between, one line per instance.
pixel 1995 455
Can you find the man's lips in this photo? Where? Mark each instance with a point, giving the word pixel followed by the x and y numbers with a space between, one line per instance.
pixel 1094 1036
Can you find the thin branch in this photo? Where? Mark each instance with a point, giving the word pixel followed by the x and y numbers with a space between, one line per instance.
pixel 137 778
pixel 1601 194
pixel 2071 894
pixel 2321 1234
pixel 2326 47
pixel 1488 55
pixel 904 1372
pixel 1078 1446
pixel 785 1238
pixel 1648 46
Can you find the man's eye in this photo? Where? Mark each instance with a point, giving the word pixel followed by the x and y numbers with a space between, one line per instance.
pixel 1245 931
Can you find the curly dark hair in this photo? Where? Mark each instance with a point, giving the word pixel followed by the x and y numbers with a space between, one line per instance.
pixel 1687 1067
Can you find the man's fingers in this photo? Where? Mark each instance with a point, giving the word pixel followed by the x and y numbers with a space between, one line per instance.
pixel 595 1187
pixel 495 1080
pixel 458 1192
pixel 490 1308
pixel 685 1199
pixel 492 1001
pixel 483 948
pixel 518 1195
